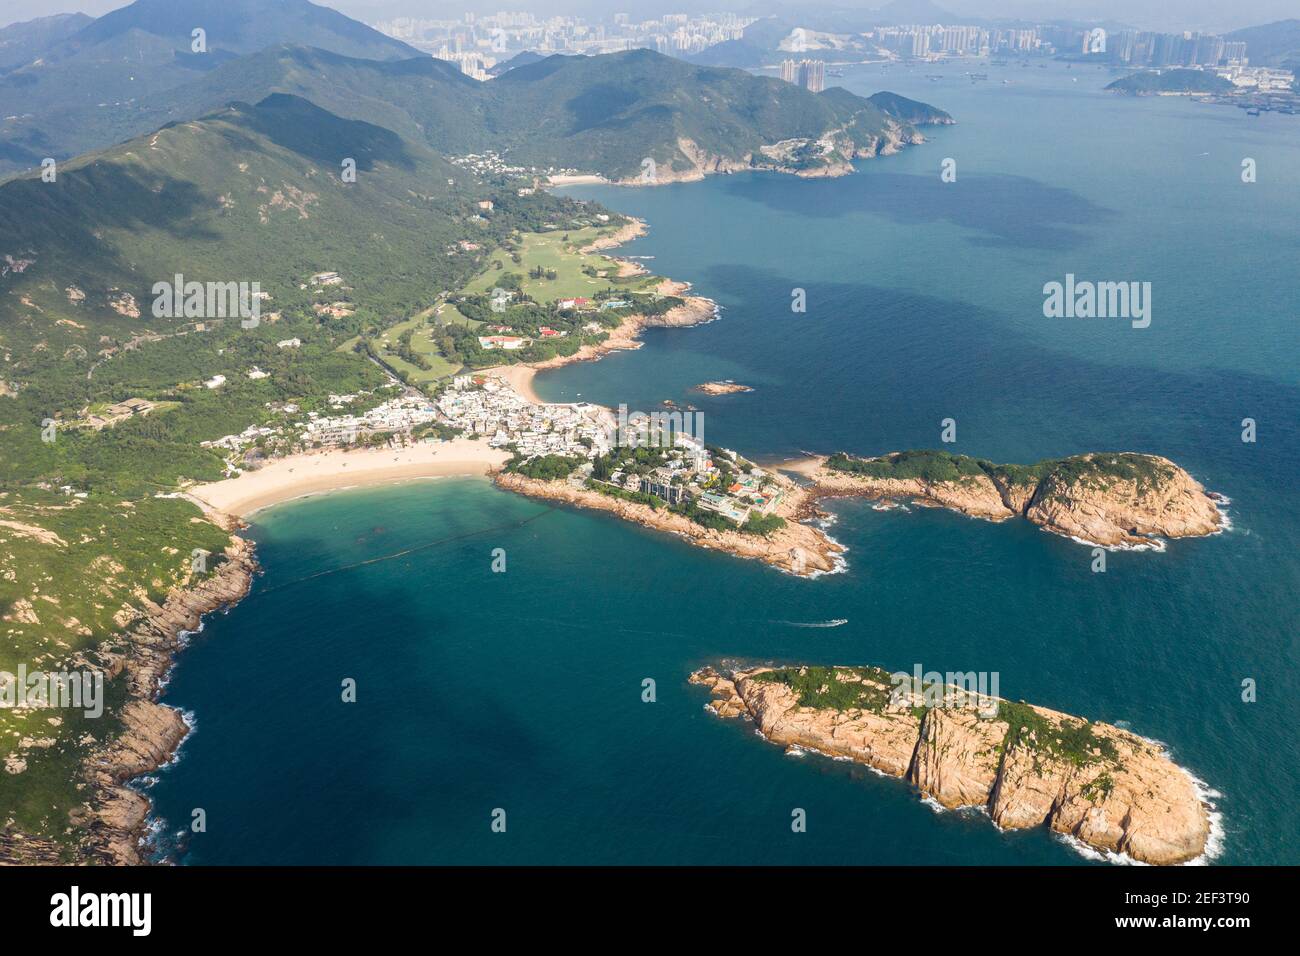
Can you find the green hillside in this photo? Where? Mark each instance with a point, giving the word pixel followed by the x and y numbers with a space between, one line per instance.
pixel 1150 82
pixel 607 113
pixel 909 111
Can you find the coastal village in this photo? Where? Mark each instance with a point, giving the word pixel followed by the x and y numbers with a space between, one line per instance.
pixel 681 471
pixel 656 460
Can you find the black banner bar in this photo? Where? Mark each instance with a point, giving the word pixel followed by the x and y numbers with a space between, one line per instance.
pixel 236 904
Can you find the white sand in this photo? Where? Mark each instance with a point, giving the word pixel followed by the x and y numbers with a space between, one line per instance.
pixel 578 180
pixel 298 475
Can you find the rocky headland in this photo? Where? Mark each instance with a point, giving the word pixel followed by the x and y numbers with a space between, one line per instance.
pixel 1026 766
pixel 1113 500
pixel 1123 499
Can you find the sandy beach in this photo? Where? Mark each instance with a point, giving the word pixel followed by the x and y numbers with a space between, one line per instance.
pixel 578 179
pixel 807 467
pixel 299 475
pixel 518 377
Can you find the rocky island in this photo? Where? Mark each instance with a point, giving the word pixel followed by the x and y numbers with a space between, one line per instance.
pixel 1027 766
pixel 722 388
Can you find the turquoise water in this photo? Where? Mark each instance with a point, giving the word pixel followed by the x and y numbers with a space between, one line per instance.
pixel 522 690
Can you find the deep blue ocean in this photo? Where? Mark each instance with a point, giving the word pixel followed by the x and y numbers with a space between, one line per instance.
pixel 523 691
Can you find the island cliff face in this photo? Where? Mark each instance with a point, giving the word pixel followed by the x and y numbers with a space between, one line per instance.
pixel 1122 499
pixel 1027 766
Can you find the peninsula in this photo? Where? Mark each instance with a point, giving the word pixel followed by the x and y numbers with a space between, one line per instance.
pixel 1026 766
pixel 717 499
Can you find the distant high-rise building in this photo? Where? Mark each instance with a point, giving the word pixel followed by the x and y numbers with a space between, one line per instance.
pixel 810 74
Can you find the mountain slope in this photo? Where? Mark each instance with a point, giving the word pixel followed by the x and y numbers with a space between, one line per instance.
pixel 1272 44
pixel 606 114
pixel 909 111
pixel 20 43
pixel 518 60
pixel 246 194
pixel 91 89
pixel 243 26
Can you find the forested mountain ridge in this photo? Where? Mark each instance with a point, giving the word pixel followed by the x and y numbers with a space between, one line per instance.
pixel 603 114
pixel 65 91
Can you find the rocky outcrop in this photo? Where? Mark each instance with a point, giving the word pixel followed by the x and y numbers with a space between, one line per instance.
pixel 1125 499
pixel 1111 509
pixel 1087 497
pixel 1028 766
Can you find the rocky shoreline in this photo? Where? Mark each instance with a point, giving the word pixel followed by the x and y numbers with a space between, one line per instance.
pixel 634 229
pixel 1026 766
pixel 796 548
pixel 779 157
pixel 115 816
pixel 695 310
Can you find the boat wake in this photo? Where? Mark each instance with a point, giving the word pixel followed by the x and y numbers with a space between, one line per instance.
pixel 834 622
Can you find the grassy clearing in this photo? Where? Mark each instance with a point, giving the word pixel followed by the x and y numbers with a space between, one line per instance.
pixel 557 252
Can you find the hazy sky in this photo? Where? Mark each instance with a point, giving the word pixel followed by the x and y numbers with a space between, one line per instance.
pixel 1149 14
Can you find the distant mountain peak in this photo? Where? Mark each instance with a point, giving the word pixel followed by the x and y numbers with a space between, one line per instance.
pixel 242 26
